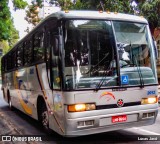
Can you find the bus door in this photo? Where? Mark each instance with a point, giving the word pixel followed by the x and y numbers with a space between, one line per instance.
pixel 53 69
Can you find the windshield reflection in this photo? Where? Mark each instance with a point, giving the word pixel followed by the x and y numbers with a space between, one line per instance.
pixel 90 54
pixel 89 50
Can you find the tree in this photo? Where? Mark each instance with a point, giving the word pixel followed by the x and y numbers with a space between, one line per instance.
pixel 4 44
pixel 32 14
pixel 19 4
pixel 13 37
pixel 8 34
pixel 150 9
pixel 6 22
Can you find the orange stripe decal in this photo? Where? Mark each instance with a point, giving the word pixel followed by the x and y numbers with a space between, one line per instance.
pixel 26 108
pixel 107 94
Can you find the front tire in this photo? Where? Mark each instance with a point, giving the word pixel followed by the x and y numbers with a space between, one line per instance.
pixel 44 118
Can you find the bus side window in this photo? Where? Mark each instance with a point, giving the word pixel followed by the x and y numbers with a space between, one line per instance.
pixel 3 64
pixel 9 62
pixel 38 47
pixel 55 65
pixel 14 59
pixel 28 52
pixel 52 32
pixel 20 56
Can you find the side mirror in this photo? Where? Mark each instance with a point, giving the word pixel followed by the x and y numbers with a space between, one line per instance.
pixel 155 48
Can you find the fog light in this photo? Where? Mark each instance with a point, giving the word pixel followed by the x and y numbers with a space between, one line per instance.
pixel 89 123
pixel 148 115
pixel 80 123
pixel 144 115
pixel 151 114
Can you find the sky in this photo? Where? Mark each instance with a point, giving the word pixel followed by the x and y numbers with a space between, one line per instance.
pixel 18 17
pixel 19 21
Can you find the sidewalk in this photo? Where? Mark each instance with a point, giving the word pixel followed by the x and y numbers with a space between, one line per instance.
pixel 6 127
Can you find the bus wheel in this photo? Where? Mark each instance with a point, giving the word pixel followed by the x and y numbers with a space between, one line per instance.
pixel 10 103
pixel 44 118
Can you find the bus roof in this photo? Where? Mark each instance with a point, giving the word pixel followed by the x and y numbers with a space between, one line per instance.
pixel 83 14
pixel 97 15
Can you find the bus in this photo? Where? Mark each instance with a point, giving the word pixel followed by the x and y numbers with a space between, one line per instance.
pixel 84 72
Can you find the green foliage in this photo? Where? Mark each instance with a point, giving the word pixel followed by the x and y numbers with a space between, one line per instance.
pixel 4 44
pixel 5 21
pixel 32 14
pixel 150 9
pixel 19 4
pixel 7 29
pixel 13 37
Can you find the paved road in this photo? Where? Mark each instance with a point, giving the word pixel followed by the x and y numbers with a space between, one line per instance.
pixel 17 123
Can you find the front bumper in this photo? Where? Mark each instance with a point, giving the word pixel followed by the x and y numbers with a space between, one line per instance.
pixel 103 123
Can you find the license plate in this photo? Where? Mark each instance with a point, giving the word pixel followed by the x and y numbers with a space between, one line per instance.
pixel 120 118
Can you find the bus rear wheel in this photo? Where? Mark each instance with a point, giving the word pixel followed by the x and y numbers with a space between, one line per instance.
pixel 10 104
pixel 9 101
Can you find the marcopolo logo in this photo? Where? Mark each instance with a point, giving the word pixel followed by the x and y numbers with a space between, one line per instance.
pixel 151 92
pixel 120 103
pixel 108 95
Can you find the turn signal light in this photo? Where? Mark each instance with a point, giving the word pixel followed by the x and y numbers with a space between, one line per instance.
pixel 149 100
pixel 81 107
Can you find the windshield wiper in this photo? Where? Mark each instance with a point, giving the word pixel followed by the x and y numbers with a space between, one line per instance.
pixel 93 68
pixel 138 67
pixel 105 74
pixel 98 86
pixel 139 72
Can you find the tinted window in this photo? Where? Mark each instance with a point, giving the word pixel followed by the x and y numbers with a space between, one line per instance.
pixel 20 56
pixel 38 47
pixel 28 52
pixel 14 59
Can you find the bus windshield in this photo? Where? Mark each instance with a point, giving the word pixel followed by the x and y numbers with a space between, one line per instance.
pixel 134 49
pixel 90 54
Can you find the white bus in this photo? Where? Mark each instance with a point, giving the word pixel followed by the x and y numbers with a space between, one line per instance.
pixel 84 72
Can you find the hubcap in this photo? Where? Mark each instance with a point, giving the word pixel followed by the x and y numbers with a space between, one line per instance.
pixel 10 103
pixel 45 118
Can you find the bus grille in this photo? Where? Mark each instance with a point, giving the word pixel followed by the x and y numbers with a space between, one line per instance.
pixel 115 106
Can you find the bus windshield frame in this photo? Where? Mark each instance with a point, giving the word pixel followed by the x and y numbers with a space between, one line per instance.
pixel 92 55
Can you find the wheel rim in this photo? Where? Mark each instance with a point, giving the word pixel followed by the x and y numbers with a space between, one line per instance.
pixel 10 103
pixel 45 118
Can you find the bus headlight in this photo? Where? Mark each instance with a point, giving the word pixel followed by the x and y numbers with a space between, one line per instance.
pixel 149 100
pixel 81 107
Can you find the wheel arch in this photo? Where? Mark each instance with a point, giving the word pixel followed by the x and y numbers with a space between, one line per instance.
pixel 40 101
